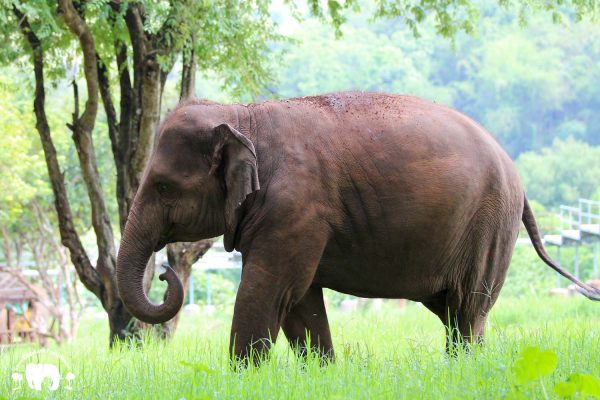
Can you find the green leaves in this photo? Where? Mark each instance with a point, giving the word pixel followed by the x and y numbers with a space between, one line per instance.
pixel 22 168
pixel 534 364
pixel 579 384
pixel 198 367
pixel 561 174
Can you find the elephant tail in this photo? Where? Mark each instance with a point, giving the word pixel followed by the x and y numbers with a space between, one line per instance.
pixel 534 234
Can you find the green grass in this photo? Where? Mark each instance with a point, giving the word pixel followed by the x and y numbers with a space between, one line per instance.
pixel 387 354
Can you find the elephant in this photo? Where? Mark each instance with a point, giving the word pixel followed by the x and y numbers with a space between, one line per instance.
pixel 370 194
pixel 37 373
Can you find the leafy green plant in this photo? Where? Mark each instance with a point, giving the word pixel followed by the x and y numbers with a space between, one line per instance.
pixel 197 367
pixel 535 364
pixel 580 384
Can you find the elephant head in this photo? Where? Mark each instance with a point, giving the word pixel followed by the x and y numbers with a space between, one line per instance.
pixel 196 179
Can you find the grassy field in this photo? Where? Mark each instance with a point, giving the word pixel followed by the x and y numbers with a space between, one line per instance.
pixel 392 354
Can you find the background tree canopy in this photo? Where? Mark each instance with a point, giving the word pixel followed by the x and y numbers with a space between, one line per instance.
pixel 526 84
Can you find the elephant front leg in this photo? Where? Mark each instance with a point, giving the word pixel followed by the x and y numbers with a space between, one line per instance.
pixel 257 316
pixel 274 280
pixel 306 325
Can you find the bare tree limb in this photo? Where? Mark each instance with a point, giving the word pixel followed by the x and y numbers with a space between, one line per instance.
pixel 109 109
pixel 82 136
pixel 69 237
pixel 80 29
pixel 188 72
pixel 114 134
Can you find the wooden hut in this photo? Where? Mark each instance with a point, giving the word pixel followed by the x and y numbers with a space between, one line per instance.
pixel 21 319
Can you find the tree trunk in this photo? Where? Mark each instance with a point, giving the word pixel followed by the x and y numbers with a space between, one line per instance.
pixel 132 140
pixel 82 128
pixel 188 72
pixel 69 238
pixel 99 280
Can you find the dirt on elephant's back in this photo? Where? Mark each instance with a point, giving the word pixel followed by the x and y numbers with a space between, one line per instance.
pixel 349 102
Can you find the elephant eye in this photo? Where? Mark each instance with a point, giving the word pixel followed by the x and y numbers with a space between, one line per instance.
pixel 162 188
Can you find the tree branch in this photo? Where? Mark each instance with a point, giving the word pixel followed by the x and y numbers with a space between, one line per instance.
pixel 139 44
pixel 79 28
pixel 126 117
pixel 188 73
pixel 82 136
pixel 69 237
pixel 115 138
pixel 181 257
pixel 109 109
pixel 127 99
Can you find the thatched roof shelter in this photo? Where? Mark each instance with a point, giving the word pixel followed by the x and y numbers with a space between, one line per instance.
pixel 13 289
pixel 19 324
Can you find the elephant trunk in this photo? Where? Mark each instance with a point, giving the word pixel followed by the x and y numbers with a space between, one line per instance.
pixel 138 243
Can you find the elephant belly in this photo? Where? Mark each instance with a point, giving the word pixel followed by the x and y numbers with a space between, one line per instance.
pixel 371 274
pixel 394 239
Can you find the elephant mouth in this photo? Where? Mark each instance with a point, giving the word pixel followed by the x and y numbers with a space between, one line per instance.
pixel 171 237
pixel 163 240
pixel 160 245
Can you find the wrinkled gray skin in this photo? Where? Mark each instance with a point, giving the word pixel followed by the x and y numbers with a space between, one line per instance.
pixel 369 194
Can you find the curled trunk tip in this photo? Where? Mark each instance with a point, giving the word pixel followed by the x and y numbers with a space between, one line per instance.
pixel 131 265
pixel 140 306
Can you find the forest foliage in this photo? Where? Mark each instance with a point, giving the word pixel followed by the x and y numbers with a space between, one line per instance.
pixel 528 85
pixel 534 86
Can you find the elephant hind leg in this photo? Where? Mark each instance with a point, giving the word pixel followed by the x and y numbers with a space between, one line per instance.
pixel 463 318
pixel 480 272
pixel 468 304
pixel 467 320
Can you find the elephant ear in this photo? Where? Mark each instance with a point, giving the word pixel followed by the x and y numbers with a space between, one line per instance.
pixel 240 172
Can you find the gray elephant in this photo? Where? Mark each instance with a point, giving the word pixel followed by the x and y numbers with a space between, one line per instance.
pixel 369 194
